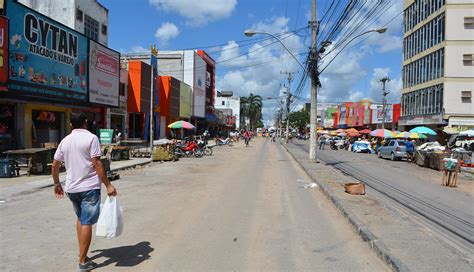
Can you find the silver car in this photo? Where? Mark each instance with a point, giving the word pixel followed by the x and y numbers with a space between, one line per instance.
pixel 393 149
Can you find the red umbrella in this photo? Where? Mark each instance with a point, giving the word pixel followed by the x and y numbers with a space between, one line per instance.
pixel 365 131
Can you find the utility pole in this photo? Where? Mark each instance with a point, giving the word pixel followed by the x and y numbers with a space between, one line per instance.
pixel 288 103
pixel 153 52
pixel 384 80
pixel 314 86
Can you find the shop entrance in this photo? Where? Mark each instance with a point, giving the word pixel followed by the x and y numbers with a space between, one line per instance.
pixel 117 122
pixel 7 127
pixel 135 125
pixel 48 126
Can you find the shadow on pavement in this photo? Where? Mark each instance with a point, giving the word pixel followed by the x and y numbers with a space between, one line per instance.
pixel 127 256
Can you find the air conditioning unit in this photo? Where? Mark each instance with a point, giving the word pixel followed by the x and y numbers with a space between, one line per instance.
pixel 466 94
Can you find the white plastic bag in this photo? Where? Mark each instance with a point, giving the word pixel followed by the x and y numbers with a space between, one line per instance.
pixel 110 223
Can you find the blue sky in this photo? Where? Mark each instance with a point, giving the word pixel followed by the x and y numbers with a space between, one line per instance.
pixel 255 66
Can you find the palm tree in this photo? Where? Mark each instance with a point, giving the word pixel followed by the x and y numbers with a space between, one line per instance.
pixel 251 108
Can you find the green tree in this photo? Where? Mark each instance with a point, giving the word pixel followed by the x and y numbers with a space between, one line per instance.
pixel 251 108
pixel 299 119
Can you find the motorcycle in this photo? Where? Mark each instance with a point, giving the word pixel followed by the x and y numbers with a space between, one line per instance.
pixel 226 141
pixel 188 149
pixel 206 148
pixel 333 145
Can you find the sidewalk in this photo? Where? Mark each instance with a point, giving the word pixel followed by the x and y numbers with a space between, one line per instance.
pixel 402 243
pixel 22 185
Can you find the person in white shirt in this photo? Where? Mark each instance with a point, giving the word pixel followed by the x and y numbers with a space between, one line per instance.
pixel 80 152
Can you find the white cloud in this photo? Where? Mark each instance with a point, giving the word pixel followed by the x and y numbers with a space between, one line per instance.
pixel 197 13
pixel 394 86
pixel 256 69
pixel 138 49
pixel 166 32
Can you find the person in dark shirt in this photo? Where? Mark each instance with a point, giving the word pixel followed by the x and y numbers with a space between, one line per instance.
pixel 410 148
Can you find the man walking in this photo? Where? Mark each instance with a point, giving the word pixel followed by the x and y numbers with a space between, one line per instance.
pixel 80 152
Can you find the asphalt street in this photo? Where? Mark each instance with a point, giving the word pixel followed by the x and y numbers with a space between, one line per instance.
pixel 449 212
pixel 242 209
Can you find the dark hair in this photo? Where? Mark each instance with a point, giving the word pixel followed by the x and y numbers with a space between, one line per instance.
pixel 78 120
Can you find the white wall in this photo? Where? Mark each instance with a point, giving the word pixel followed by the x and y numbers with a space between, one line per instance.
pixel 99 13
pixel 64 11
pixel 232 103
pixel 453 61
pixel 455 29
pixel 452 98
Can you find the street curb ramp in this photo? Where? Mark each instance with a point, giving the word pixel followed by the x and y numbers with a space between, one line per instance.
pixel 367 236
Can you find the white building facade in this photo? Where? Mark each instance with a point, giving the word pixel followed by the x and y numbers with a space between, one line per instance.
pixel 438 69
pixel 232 103
pixel 86 16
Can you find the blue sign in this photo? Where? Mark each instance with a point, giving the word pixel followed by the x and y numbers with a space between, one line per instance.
pixel 47 60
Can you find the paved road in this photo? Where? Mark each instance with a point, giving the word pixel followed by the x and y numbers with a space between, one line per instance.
pixel 447 211
pixel 242 209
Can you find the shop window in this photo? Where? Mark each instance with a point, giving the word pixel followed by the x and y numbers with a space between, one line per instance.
pixel 469 22
pixel 48 126
pixel 7 127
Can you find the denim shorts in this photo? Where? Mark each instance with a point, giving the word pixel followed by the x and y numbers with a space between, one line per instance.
pixel 86 205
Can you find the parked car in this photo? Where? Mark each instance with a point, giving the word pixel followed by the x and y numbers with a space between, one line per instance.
pixel 362 147
pixel 393 149
pixel 338 140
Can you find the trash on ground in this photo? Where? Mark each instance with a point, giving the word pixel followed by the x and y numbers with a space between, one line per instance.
pixel 355 188
pixel 311 185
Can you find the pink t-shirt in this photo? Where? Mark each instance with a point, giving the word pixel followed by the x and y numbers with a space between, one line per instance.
pixel 77 151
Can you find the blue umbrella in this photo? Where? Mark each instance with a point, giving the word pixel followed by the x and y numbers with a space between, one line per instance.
pixel 423 130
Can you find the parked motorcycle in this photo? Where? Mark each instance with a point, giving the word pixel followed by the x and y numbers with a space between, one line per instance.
pixel 190 148
pixel 206 148
pixel 226 141
pixel 333 145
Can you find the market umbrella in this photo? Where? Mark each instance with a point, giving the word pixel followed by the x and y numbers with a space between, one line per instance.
pixel 411 135
pixel 382 133
pixel 342 134
pixel 423 130
pixel 181 124
pixel 352 130
pixel 333 133
pixel 340 130
pixel 365 131
pixel 353 134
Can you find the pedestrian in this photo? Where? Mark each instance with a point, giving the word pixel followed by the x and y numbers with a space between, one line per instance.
pixel 80 152
pixel 322 142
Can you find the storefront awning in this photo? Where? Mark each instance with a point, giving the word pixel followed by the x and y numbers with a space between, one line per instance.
pixel 461 121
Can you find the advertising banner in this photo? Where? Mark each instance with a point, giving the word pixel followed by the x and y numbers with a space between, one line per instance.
pixel 342 117
pixel 3 52
pixel 47 60
pixel 377 114
pixel 199 88
pixel 185 100
pixel 104 75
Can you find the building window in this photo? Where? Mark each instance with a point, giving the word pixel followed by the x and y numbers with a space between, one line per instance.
pixel 468 59
pixel 423 101
pixel 104 29
pixel 79 15
pixel 223 103
pixel 122 89
pixel 469 22
pixel 466 96
pixel 91 28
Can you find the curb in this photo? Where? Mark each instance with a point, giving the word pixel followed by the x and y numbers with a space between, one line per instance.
pixel 367 236
pixel 131 166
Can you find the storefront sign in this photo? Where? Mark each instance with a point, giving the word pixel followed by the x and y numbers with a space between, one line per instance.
pixel 47 59
pixel 377 114
pixel 421 120
pixel 199 88
pixel 3 52
pixel 342 117
pixel 103 75
pixel 106 136
pixel 185 99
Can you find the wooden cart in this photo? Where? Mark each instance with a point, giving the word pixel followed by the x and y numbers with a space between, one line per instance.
pixel 35 159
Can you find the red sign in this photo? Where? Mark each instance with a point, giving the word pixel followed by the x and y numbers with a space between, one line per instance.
pixel 230 120
pixel 3 52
